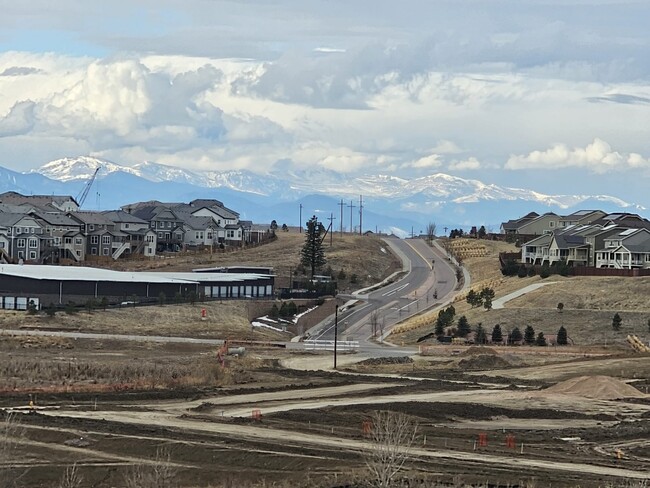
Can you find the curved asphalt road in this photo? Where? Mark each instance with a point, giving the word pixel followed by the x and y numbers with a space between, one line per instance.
pixel 429 281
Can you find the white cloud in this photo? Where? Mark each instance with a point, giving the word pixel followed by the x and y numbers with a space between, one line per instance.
pixel 597 157
pixel 425 162
pixel 464 165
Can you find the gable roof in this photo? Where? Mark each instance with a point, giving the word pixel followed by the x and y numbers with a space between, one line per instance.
pixel 122 217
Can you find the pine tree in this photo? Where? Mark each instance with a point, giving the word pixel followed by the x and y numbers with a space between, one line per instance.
pixel 274 313
pixel 497 335
pixel 463 327
pixel 562 338
pixel 312 255
pixel 480 336
pixel 515 335
pixel 616 322
pixel 440 327
pixel 487 295
pixel 529 335
pixel 474 299
pixel 541 340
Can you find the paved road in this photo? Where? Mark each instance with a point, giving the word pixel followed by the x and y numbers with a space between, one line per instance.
pixel 430 281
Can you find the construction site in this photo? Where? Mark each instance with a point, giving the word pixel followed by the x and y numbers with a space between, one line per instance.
pixel 190 409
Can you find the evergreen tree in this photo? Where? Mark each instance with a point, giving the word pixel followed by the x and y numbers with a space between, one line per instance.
pixel 531 271
pixel 541 340
pixel 284 311
pixel 463 327
pixel 474 299
pixel 104 303
pixel 487 295
pixel 480 337
pixel 529 335
pixel 274 313
pixel 440 327
pixel 51 310
pixel 616 322
pixel 161 298
pixel 482 233
pixel 562 338
pixel 522 272
pixel 545 272
pixel 312 255
pixel 497 335
pixel 292 309
pixel 31 308
pixel 515 335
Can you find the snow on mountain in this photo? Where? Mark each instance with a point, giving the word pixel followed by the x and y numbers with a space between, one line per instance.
pixel 80 168
pixel 417 195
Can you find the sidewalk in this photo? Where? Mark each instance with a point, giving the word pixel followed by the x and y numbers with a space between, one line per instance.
pixel 500 302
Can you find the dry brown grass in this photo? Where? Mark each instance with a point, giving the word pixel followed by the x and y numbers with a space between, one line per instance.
pixel 359 255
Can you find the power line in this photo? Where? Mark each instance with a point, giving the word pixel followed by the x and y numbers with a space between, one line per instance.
pixel 351 206
pixel 341 204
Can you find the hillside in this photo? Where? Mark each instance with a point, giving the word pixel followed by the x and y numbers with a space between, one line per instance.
pixel 589 302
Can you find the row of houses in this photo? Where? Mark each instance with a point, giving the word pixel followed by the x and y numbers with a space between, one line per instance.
pixel 589 238
pixel 49 229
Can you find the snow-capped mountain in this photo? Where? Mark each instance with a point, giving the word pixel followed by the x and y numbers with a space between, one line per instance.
pixel 444 198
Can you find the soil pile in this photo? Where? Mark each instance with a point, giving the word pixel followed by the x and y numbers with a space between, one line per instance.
pixel 483 361
pixel 479 351
pixel 380 361
pixel 598 387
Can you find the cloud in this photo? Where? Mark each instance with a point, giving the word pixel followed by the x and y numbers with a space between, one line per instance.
pixel 598 157
pixel 425 162
pixel 620 98
pixel 464 165
pixel 19 120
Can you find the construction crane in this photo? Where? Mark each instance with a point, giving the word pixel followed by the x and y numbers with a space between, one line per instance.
pixel 81 198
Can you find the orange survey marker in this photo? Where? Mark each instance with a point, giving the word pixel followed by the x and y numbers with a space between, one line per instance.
pixel 482 439
pixel 366 427
pixel 510 441
pixel 257 414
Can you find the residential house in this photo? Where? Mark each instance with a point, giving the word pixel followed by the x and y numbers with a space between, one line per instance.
pixel 535 251
pixel 627 249
pixel 62 237
pixel 60 203
pixel 167 225
pixel 23 234
pixel 101 236
pixel 581 217
pixel 142 238
pixel 199 231
pixel 511 227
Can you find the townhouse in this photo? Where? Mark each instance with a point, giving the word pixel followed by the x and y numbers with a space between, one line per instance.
pixel 589 238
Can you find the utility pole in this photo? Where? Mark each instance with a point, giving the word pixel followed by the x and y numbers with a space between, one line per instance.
pixel 331 218
pixel 445 231
pixel 300 221
pixel 351 206
pixel 360 214
pixel 341 204
pixel 336 332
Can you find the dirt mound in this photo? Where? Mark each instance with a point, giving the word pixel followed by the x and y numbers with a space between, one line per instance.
pixel 598 387
pixel 479 351
pixel 483 361
pixel 380 361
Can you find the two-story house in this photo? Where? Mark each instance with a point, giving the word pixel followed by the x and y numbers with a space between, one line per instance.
pixel 60 203
pixel 167 225
pixel 62 237
pixel 628 249
pixel 142 238
pixel 23 234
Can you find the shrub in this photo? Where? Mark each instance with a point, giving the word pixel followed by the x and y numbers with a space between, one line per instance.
pixel 541 340
pixel 515 335
pixel 529 335
pixel 522 272
pixel 562 338
pixel 70 308
pixel 354 279
pixel 617 321
pixel 545 272
pixel 31 308
pixel 50 310
pixel 531 271
pixel 341 275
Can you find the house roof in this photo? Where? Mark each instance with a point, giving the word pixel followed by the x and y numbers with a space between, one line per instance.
pixel 122 217
pixel 197 223
pixel 9 219
pixel 541 240
pixel 13 197
pixel 55 219
pixel 87 217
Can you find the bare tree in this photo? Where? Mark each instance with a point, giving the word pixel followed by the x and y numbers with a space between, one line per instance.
pixel 10 433
pixel 392 437
pixel 159 474
pixel 71 478
pixel 431 231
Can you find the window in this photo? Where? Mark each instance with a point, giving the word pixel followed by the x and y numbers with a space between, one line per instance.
pixel 32 254
pixel 2 244
pixel 106 239
pixel 67 240
pixel 78 241
pixel 20 243
pixel 31 230
pixel 179 236
pixel 169 225
pixel 126 226
pixel 33 243
pixel 105 251
pixel 57 241
pixel 91 227
pixel 94 239
pixel 93 251
pixel 78 253
pixel 21 254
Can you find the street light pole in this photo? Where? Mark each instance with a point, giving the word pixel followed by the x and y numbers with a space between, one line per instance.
pixel 336 332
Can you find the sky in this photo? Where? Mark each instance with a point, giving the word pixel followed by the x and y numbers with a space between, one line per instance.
pixel 552 95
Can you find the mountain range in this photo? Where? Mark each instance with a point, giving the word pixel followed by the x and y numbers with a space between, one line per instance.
pixel 389 203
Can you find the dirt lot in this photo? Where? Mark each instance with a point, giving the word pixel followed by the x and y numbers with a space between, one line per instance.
pixel 119 408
